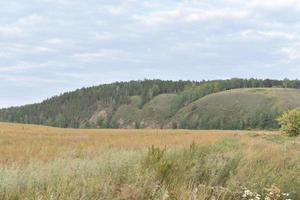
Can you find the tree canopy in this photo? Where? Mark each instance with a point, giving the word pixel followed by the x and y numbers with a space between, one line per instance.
pixel 77 109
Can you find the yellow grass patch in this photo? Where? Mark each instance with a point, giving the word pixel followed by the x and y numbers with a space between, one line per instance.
pixel 20 143
pixel 39 162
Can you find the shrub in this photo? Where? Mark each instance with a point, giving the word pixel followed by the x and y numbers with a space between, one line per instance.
pixel 174 125
pixel 157 161
pixel 290 122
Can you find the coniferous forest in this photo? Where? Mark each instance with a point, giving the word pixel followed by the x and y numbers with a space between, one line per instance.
pixel 163 104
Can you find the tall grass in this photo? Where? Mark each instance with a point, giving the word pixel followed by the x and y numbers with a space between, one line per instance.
pixel 202 168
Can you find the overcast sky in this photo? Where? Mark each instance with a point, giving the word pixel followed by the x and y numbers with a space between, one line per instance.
pixel 51 46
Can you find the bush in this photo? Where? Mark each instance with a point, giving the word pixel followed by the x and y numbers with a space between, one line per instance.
pixel 290 122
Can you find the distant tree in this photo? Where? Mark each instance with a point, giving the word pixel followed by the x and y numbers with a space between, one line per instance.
pixel 290 122
pixel 100 122
pixel 105 124
pixel 161 124
pixel 174 125
pixel 73 109
pixel 285 83
pixel 50 122
pixel 137 124
pixel 61 121
pixel 87 125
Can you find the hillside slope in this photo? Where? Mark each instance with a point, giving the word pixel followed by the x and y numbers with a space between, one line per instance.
pixel 151 115
pixel 165 104
pixel 238 109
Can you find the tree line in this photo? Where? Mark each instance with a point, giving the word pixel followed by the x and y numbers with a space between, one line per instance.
pixel 74 109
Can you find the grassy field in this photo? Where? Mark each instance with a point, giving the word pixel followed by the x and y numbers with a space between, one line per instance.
pixel 49 163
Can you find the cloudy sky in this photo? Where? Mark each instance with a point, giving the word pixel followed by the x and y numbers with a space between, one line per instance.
pixel 51 46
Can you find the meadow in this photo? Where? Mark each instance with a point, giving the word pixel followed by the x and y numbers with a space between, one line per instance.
pixel 38 162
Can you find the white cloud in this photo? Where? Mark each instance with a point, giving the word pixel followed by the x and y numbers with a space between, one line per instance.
pixel 29 49
pixel 105 36
pixel 273 4
pixel 54 41
pixel 22 25
pixel 30 80
pixel 101 55
pixel 203 15
pixel 292 53
pixel 158 18
pixel 188 14
pixel 23 67
pixel 5 55
pixel 115 10
pixel 31 20
pixel 256 34
pixel 10 31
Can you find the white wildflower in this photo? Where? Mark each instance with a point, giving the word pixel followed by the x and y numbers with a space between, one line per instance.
pixel 248 193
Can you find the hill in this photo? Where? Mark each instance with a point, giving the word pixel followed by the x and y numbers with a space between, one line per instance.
pixel 165 104
pixel 151 115
pixel 238 109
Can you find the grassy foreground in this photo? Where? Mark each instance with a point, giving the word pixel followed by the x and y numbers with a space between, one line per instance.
pixel 49 163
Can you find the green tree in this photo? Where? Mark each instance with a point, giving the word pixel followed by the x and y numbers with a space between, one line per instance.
pixel 73 109
pixel 174 125
pixel 100 122
pixel 61 121
pixel 290 122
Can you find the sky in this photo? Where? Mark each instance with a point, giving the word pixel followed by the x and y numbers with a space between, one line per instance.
pixel 51 46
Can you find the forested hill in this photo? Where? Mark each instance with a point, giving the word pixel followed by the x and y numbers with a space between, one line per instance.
pixel 165 104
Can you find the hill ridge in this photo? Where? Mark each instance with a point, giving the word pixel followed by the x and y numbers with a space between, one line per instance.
pixel 151 104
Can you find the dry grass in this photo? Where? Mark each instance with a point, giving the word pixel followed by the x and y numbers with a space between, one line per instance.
pixel 39 162
pixel 20 143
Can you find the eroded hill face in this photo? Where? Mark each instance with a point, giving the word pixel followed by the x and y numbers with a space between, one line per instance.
pixel 166 104
pixel 151 115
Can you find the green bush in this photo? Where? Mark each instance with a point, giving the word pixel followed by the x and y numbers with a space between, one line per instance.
pixel 290 122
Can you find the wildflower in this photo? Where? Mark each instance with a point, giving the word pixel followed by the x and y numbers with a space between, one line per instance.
pixel 248 193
